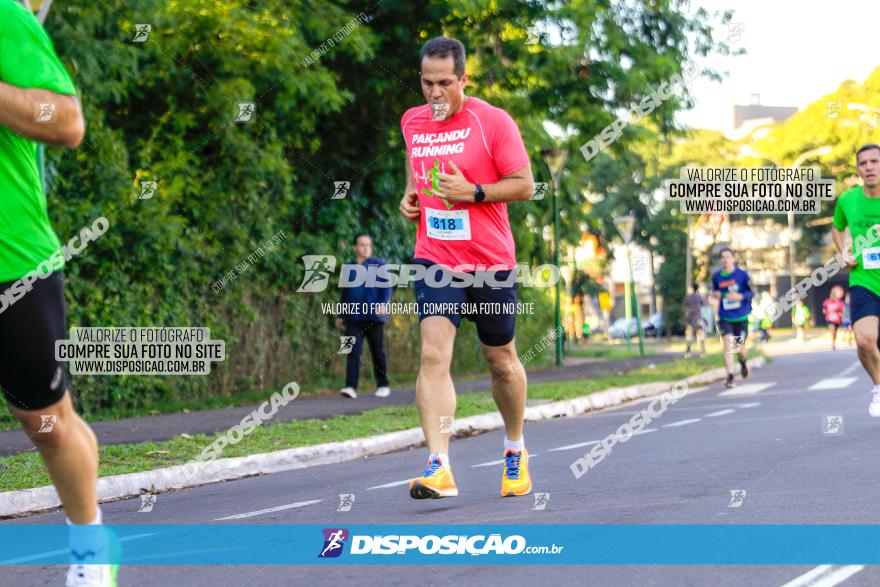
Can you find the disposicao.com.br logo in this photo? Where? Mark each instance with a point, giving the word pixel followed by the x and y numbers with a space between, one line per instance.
pixel 450 544
pixel 319 269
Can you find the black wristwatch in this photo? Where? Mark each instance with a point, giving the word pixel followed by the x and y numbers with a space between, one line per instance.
pixel 479 194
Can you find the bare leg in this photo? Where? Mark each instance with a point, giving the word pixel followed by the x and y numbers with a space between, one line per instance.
pixel 70 452
pixel 726 341
pixel 435 393
pixel 508 386
pixel 865 330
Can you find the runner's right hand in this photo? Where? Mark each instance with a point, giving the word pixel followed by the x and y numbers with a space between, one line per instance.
pixel 409 206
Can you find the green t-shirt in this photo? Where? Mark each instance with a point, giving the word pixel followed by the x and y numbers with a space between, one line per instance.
pixel 27 60
pixel 802 315
pixel 859 212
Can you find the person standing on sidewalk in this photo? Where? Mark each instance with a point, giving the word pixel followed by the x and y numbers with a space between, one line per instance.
pixel 366 322
pixel 38 104
pixel 693 316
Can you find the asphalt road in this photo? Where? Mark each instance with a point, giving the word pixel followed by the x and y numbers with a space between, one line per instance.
pixel 767 439
pixel 167 426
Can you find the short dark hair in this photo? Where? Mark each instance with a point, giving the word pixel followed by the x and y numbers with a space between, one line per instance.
pixel 727 249
pixel 695 287
pixel 354 241
pixel 864 148
pixel 443 47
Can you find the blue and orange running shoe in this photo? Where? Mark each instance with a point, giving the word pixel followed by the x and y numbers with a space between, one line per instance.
pixel 436 481
pixel 516 479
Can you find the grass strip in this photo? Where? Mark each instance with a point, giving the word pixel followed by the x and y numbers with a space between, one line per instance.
pixel 25 470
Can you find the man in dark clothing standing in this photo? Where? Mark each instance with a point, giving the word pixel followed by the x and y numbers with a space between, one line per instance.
pixel 693 316
pixel 367 321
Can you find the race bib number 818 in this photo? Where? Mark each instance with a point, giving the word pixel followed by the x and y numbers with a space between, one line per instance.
pixel 448 225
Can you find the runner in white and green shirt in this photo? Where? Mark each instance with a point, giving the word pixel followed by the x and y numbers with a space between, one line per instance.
pixel 856 233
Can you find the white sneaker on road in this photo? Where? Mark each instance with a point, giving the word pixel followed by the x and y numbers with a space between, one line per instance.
pixel 91 576
pixel 383 391
pixel 349 392
pixel 874 408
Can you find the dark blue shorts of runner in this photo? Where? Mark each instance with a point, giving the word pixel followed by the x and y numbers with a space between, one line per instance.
pixel 491 308
pixel 863 302
pixel 737 329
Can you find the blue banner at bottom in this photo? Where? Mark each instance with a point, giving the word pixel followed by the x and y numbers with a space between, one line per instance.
pixel 271 544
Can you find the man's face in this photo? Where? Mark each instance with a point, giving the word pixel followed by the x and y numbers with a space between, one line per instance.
pixel 443 90
pixel 364 247
pixel 727 260
pixel 869 167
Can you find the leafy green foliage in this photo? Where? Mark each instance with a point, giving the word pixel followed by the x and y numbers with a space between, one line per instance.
pixel 165 110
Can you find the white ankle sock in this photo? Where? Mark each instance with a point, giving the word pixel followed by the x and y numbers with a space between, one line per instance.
pixel 516 445
pixel 85 537
pixel 442 457
pixel 98 520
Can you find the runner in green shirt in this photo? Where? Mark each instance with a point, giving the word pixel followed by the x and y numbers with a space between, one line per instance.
pixel 38 104
pixel 856 235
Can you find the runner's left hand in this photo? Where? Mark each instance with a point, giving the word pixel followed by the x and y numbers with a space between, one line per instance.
pixel 454 187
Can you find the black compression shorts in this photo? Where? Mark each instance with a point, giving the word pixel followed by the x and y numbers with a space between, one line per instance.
pixel 30 376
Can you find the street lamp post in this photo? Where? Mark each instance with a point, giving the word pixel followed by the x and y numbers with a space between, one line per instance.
pixel 797 163
pixel 625 226
pixel 555 160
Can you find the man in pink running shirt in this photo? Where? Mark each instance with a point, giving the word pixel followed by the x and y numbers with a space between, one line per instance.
pixel 465 159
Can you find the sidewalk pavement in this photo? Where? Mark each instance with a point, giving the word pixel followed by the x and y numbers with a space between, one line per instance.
pixel 167 426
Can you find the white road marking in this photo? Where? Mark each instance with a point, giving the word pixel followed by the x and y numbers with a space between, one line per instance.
pixel 720 413
pixel 387 485
pixel 808 576
pixel 645 431
pixel 747 389
pixel 833 383
pixel 571 446
pixel 498 462
pixel 825 576
pixel 838 576
pixel 850 369
pixel 279 508
pixel 750 405
pixel 489 464
pixel 682 422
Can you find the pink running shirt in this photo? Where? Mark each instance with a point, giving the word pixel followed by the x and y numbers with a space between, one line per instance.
pixel 484 143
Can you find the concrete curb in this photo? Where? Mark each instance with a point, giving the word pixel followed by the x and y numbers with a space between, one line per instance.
pixel 13 503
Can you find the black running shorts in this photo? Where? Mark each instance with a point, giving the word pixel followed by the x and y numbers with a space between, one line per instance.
pixel 30 377
pixel 737 329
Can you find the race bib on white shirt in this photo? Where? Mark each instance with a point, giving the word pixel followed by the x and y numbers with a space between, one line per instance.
pixel 730 304
pixel 448 225
pixel 871 258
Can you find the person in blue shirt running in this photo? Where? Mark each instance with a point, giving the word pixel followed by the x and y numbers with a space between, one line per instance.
pixel 732 298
